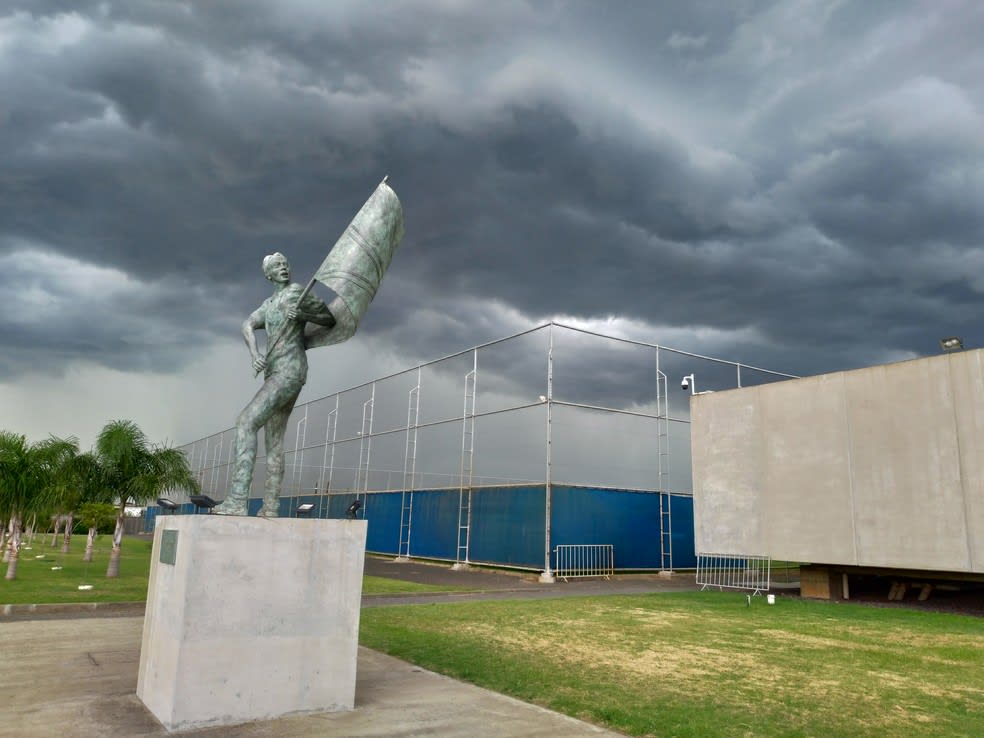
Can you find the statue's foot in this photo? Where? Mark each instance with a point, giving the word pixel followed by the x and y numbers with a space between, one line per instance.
pixel 269 512
pixel 231 507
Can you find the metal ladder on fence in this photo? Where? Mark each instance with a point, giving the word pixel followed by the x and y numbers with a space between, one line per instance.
pixel 467 460
pixel 409 471
pixel 365 448
pixel 202 462
pixel 328 462
pixel 662 465
pixel 215 465
pixel 297 462
pixel 665 533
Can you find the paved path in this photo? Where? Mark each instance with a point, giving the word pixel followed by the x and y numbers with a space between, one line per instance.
pixel 72 678
pixel 67 672
pixel 486 584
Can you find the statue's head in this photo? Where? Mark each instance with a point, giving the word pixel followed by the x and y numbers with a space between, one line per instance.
pixel 276 268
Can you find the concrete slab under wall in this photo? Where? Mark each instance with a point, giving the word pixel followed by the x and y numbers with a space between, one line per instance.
pixel 882 466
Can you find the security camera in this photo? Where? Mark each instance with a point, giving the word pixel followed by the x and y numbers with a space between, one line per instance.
pixel 685 384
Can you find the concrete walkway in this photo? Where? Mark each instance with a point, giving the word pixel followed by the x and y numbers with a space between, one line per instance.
pixel 78 677
pixel 67 672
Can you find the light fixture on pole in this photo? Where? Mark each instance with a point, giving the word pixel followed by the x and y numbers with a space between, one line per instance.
pixel 304 510
pixel 203 502
pixel 951 343
pixel 169 505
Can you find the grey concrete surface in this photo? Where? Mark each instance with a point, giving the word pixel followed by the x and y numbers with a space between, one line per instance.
pixel 78 677
pixel 873 467
pixel 239 626
pixel 489 584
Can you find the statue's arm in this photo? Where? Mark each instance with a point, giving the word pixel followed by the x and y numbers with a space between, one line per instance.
pixel 313 310
pixel 250 325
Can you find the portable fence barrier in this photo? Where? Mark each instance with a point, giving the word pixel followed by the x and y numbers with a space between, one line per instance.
pixel 733 572
pixel 585 560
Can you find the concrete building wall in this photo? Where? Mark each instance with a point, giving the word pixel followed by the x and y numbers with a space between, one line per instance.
pixel 880 467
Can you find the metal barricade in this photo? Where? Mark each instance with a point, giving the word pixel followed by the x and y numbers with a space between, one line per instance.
pixel 585 560
pixel 733 571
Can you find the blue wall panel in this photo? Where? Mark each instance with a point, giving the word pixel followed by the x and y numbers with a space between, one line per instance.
pixel 682 512
pixel 627 520
pixel 434 530
pixel 507 523
pixel 338 504
pixel 382 511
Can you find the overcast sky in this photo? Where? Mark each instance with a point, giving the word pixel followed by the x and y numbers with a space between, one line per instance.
pixel 796 184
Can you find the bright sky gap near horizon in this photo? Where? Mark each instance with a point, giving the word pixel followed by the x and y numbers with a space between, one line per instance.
pixel 795 185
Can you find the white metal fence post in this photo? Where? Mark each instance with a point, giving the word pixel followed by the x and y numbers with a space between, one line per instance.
pixel 547 574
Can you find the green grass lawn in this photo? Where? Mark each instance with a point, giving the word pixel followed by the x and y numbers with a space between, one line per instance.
pixel 682 664
pixel 381 585
pixel 37 583
pixel 706 664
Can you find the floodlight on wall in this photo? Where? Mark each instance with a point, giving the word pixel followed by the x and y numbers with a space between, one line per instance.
pixel 951 343
pixel 688 383
pixel 353 510
pixel 304 511
pixel 167 504
pixel 203 502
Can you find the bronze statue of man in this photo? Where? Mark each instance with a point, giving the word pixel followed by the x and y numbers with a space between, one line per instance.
pixel 285 369
pixel 295 320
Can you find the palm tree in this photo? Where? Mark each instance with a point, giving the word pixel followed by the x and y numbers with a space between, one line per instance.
pixel 66 494
pixel 27 475
pixel 93 492
pixel 136 470
pixel 95 515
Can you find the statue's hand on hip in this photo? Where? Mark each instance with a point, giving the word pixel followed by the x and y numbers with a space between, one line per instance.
pixel 259 364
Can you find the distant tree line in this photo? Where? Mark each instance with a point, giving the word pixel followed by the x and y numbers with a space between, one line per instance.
pixel 53 480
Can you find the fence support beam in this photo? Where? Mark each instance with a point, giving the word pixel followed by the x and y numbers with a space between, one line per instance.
pixel 547 576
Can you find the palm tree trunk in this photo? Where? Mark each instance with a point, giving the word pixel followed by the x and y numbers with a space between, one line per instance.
pixel 69 522
pixel 10 540
pixel 30 530
pixel 90 542
pixel 113 570
pixel 12 549
pixel 56 519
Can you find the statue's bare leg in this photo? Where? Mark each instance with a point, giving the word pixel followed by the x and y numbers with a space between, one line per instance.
pixel 274 395
pixel 274 431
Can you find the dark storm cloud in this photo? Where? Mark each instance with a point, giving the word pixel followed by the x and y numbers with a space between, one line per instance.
pixel 797 184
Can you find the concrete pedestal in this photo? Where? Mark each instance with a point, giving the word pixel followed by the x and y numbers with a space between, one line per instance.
pixel 250 618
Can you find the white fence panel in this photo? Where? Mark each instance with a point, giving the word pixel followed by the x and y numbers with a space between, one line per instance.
pixel 733 571
pixel 585 560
